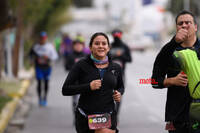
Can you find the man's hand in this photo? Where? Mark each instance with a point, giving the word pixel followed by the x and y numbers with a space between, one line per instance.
pixel 179 80
pixel 117 96
pixel 181 35
pixel 95 84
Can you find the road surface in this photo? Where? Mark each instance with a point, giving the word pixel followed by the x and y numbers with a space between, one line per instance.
pixel 142 108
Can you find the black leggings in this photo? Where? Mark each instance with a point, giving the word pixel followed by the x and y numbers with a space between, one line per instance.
pixel 42 90
pixel 82 123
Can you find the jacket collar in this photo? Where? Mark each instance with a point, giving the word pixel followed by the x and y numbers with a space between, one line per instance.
pixel 90 61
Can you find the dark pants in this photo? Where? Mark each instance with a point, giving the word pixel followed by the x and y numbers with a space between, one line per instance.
pixel 42 89
pixel 42 76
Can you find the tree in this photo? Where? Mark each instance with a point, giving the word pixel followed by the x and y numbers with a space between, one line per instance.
pixel 6 20
pixel 19 26
pixel 54 16
pixel 34 16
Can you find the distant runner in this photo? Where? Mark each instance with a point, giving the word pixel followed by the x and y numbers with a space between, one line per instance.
pixel 43 53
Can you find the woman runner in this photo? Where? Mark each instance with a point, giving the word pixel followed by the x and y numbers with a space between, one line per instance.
pixel 99 82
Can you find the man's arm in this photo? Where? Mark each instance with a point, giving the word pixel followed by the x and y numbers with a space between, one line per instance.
pixel 159 72
pixel 179 80
pixel 160 68
pixel 159 76
pixel 161 65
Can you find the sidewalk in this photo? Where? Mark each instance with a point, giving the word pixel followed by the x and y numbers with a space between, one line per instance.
pixel 10 108
pixel 57 116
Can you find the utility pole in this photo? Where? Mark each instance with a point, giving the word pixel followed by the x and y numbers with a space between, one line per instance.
pixel 8 49
pixel 18 38
pixel 21 54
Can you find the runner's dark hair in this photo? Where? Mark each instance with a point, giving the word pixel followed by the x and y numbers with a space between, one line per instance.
pixel 98 34
pixel 184 12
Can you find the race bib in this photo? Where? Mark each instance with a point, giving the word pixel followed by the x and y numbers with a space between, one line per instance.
pixel 99 121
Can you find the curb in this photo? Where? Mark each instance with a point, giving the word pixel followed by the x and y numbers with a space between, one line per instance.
pixel 10 107
pixel 7 113
pixel 24 85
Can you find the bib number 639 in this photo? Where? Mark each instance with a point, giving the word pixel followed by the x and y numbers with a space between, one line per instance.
pixel 99 121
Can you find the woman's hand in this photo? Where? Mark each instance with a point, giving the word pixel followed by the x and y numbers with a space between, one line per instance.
pixel 95 84
pixel 117 96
